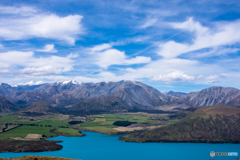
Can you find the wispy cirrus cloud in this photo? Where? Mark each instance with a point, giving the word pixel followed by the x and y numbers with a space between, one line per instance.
pixel 203 37
pixel 23 10
pixel 148 23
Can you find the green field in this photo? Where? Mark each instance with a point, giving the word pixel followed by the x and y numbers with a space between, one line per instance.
pixel 69 131
pixel 173 121
pixel 53 125
pixel 45 125
pixel 23 131
pixel 104 123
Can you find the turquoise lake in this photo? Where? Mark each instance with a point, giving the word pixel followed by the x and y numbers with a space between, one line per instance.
pixel 97 146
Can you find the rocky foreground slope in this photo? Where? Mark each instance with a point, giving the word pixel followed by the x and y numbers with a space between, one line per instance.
pixel 209 124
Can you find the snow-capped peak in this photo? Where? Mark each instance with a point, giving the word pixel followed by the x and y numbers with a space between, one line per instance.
pixel 71 81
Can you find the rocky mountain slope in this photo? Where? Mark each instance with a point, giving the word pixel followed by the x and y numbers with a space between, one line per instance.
pixel 6 106
pixel 38 108
pixel 212 96
pixel 134 94
pixel 99 105
pixel 211 124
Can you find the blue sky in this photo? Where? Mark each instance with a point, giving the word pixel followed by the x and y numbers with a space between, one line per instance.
pixel 174 45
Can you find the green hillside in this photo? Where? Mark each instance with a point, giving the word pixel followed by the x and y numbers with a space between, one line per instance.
pixel 211 124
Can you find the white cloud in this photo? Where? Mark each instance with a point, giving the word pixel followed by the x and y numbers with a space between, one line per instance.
pixel 172 49
pixel 218 51
pixel 116 57
pixel 5 72
pixel 192 26
pixel 101 47
pixel 31 83
pixel 23 10
pixel 28 64
pixel 45 70
pixel 137 39
pixel 214 78
pixel 1 46
pixel 48 48
pixel 41 25
pixel 176 76
pixel 222 34
pixel 15 58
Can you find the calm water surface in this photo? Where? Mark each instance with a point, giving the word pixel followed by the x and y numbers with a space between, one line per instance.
pixel 97 146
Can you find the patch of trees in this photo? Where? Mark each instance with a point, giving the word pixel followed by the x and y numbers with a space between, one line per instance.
pixel 62 127
pixel 74 122
pixel 48 125
pixel 7 129
pixel 123 123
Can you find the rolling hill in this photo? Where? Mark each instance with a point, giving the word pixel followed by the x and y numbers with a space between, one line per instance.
pixel 209 124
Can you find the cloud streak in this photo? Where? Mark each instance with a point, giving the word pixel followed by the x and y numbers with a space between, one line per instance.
pixel 222 34
pixel 48 48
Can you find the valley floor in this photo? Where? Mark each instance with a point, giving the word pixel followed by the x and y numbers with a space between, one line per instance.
pixel 21 131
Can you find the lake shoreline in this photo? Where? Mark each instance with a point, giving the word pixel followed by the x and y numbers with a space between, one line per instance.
pixel 106 147
pixel 178 141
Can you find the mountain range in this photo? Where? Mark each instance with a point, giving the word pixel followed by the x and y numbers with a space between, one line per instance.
pixel 71 96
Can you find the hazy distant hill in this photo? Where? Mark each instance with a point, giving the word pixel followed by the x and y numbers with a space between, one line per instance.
pixel 6 106
pixel 176 94
pixel 207 124
pixel 38 108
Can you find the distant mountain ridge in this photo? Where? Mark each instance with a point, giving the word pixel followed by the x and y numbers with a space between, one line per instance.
pixel 133 94
pixel 175 94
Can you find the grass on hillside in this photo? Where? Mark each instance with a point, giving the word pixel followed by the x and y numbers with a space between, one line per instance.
pixel 69 131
